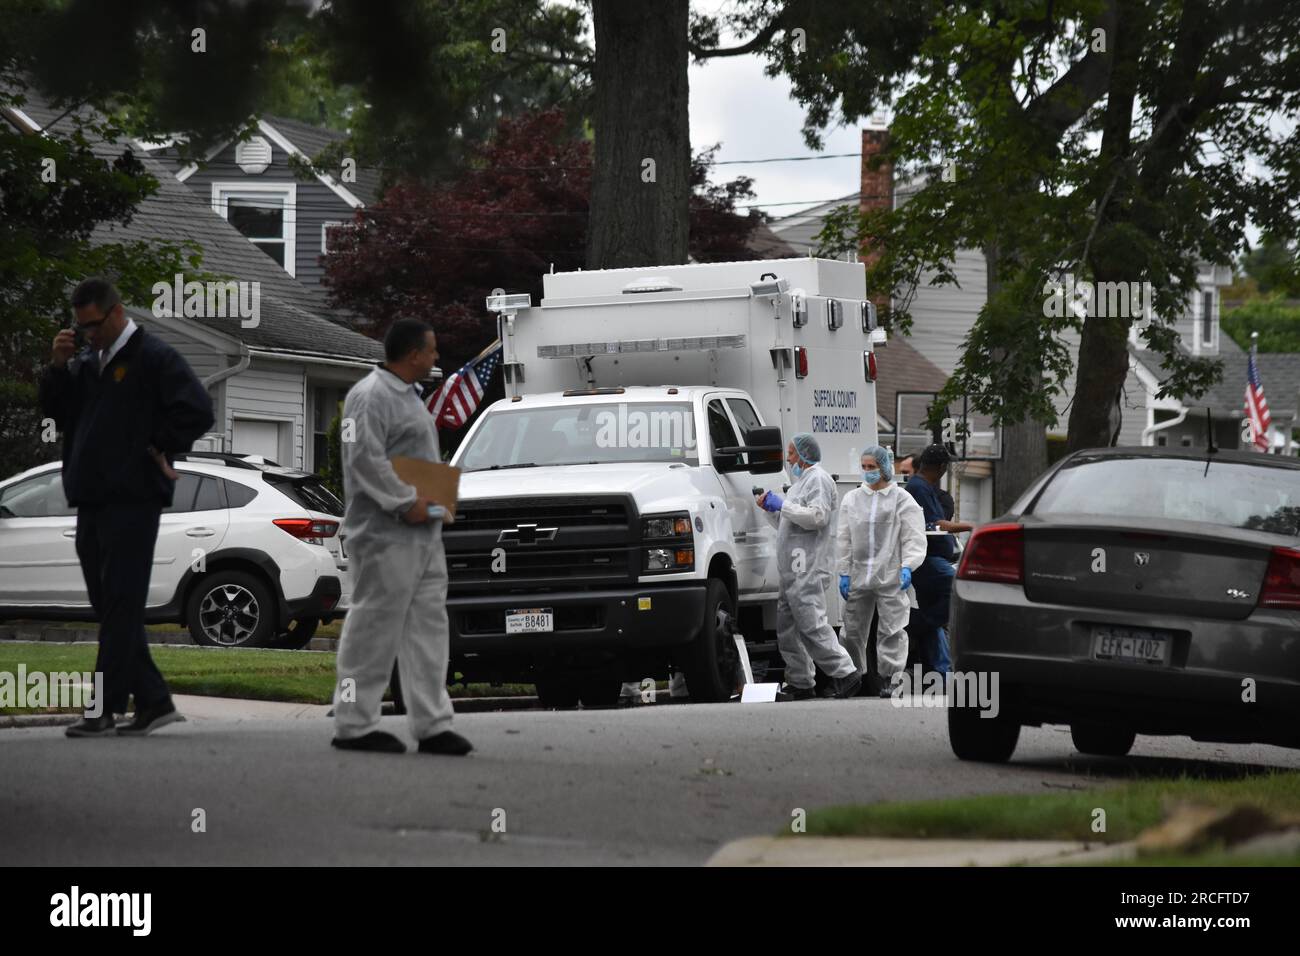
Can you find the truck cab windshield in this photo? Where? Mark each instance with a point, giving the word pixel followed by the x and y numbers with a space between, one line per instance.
pixel 581 433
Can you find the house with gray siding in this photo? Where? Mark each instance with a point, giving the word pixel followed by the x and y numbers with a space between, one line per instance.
pixel 252 184
pixel 276 379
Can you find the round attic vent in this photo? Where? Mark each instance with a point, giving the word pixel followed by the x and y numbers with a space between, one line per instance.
pixel 651 284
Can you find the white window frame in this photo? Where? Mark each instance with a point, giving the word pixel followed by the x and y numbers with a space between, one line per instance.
pixel 223 192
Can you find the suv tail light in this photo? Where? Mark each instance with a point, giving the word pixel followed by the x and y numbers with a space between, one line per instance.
pixel 996 553
pixel 311 530
pixel 1282 580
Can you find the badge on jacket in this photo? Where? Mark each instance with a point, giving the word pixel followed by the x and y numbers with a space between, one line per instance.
pixel 119 373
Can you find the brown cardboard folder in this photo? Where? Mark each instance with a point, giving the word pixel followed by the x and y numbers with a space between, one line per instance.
pixel 432 480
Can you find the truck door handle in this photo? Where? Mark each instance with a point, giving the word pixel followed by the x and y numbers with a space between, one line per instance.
pixel 200 532
pixel 70 533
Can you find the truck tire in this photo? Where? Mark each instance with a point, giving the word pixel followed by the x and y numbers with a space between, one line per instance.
pixel 711 659
pixel 555 691
pixel 297 633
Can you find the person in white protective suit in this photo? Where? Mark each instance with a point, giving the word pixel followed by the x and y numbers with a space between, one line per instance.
pixel 879 542
pixel 399 572
pixel 805 521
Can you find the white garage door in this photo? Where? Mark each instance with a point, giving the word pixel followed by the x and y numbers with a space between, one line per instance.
pixel 257 438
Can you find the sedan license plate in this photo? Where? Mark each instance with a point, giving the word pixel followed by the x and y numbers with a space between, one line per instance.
pixel 1129 644
pixel 530 620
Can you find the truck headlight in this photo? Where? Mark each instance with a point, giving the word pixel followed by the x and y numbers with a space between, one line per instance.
pixel 670 559
pixel 672 540
pixel 666 526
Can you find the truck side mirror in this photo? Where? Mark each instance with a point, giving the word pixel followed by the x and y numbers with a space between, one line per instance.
pixel 763 445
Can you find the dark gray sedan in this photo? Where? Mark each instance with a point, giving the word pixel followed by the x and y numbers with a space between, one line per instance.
pixel 1135 590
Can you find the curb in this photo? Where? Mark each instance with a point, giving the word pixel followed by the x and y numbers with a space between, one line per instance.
pixel 784 851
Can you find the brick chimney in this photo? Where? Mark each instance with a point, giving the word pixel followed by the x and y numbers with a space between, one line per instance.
pixel 877 189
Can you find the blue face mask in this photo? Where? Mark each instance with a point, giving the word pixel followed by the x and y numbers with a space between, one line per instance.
pixel 871 477
pixel 796 469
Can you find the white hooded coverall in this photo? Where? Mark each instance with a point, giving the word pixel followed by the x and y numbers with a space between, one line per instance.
pixel 804 554
pixel 879 532
pixel 399 572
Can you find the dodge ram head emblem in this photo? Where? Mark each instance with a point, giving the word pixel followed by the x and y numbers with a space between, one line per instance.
pixel 526 534
pixel 1141 558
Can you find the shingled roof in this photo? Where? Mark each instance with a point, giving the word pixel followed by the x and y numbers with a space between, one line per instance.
pixel 291 318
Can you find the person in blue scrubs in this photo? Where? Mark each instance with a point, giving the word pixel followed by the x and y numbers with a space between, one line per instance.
pixel 933 579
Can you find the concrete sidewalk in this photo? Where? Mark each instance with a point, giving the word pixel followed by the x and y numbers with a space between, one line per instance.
pixel 875 851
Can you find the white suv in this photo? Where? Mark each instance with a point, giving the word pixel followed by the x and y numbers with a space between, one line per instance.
pixel 248 555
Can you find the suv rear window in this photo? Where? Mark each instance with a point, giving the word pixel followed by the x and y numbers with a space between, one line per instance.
pixel 310 492
pixel 1232 494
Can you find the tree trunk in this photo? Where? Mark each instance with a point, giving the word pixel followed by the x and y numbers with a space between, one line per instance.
pixel 640 187
pixel 1024 443
pixel 1096 413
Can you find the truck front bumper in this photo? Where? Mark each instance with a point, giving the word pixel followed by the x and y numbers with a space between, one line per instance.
pixel 611 620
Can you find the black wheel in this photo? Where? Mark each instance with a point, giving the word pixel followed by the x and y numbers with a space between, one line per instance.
pixel 556 691
pixel 297 633
pixel 986 739
pixel 231 609
pixel 712 659
pixel 595 692
pixel 1102 741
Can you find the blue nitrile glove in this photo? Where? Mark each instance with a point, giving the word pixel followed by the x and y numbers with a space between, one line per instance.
pixel 904 578
pixel 773 502
pixel 844 586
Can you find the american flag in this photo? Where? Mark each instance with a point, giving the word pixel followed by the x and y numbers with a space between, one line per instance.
pixel 1257 405
pixel 455 401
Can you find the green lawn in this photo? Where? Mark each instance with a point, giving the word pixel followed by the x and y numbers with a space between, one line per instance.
pixel 1130 809
pixel 218 672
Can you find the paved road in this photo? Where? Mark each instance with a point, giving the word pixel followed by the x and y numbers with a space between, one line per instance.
pixel 663 784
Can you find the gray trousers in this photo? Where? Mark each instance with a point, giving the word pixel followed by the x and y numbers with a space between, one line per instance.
pixel 398 612
pixel 805 636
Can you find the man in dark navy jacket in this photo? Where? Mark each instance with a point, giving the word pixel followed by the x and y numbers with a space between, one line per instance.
pixel 126 405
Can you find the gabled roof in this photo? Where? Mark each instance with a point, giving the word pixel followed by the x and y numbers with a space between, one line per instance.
pixel 798 229
pixel 901 368
pixel 310 140
pixel 291 318
pixel 1279 372
pixel 766 244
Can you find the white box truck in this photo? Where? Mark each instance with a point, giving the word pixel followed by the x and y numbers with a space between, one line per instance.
pixel 607 529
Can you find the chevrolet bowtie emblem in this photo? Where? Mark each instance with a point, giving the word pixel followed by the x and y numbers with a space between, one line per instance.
pixel 526 534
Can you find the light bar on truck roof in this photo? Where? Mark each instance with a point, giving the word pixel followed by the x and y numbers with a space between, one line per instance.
pixel 694 343
pixel 509 302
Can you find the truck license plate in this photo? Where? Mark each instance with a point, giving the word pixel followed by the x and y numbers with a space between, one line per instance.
pixel 1125 644
pixel 530 620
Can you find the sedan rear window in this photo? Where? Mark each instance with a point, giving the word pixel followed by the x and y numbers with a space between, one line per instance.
pixel 1260 497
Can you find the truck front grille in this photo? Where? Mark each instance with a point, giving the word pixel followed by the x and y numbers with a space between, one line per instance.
pixel 508 545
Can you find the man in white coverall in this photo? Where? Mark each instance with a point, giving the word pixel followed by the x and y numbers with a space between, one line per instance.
pixel 879 542
pixel 399 571
pixel 805 521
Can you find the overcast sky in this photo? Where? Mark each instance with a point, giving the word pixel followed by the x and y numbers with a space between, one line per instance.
pixel 754 117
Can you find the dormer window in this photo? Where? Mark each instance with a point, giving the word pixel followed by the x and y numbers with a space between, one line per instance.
pixel 264 213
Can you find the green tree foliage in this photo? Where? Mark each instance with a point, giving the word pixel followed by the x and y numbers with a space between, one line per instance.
pixel 1277 322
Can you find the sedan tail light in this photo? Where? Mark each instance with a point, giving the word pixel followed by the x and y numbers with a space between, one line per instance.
pixel 996 553
pixel 1282 580
pixel 311 530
